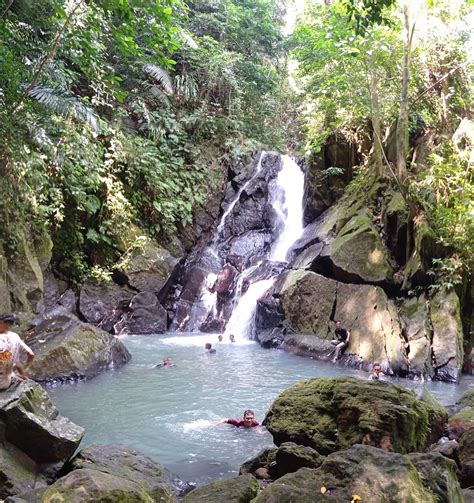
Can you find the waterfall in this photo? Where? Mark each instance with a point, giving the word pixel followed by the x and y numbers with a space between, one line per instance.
pixel 247 251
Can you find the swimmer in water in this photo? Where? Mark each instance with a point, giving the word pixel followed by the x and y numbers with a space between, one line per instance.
pixel 209 349
pixel 220 338
pixel 167 362
pixel 248 420
pixel 232 338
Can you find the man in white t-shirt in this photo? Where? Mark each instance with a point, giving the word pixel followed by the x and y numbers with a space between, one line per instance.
pixel 12 349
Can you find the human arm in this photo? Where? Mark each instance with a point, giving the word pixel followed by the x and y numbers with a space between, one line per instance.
pixel 20 368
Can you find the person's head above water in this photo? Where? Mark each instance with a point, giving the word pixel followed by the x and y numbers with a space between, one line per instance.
pixel 376 369
pixel 248 418
pixel 168 361
pixel 208 345
pixel 232 338
pixel 220 338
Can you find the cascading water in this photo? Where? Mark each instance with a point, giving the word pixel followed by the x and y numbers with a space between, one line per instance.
pixel 259 226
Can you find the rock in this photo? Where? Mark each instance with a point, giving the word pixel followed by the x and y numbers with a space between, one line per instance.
pixel 290 457
pixel 18 472
pixel 261 460
pixel 370 473
pixel 5 304
pixel 103 304
pixel 357 254
pixel 467 399
pixel 99 487
pixel 394 218
pixel 447 335
pixel 310 302
pixel 448 448
pixel 68 349
pixel 240 489
pixel 333 414
pixel 466 458
pixel 309 345
pixel 460 422
pixel 148 267
pixel 438 475
pixel 308 258
pixel 468 495
pixel 414 315
pixel 131 465
pixel 30 422
pixel 146 316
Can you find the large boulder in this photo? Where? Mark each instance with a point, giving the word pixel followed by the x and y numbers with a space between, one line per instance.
pixel 242 489
pixel 99 487
pixel 361 473
pixel 310 302
pixel 18 472
pixel 394 219
pixel 30 422
pixel 147 267
pixel 145 316
pixel 131 465
pixel 68 349
pixel 447 342
pixel 334 414
pixel 103 304
pixel 466 458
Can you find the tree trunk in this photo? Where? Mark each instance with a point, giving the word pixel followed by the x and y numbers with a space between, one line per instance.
pixel 377 138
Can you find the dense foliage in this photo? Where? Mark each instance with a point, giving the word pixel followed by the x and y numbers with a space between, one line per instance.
pixel 121 112
pixel 354 62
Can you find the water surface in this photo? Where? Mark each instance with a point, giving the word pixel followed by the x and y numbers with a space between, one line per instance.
pixel 170 414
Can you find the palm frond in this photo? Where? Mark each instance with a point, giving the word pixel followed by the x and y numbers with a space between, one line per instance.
pixel 162 77
pixel 65 105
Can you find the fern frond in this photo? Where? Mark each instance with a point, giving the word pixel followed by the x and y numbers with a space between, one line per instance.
pixel 65 105
pixel 161 76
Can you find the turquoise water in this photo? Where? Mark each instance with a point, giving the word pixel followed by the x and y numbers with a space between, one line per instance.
pixel 170 414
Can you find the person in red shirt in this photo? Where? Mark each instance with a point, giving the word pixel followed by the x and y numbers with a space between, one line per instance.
pixel 248 420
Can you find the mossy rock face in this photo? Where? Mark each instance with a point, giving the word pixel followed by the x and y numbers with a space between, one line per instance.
pixel 438 475
pixel 5 305
pixel 18 473
pixel 30 422
pixel 68 349
pixel 310 302
pixel 91 485
pixel 147 266
pixel 128 464
pixel 370 473
pixel 394 218
pixel 467 399
pixel 447 343
pixel 466 458
pixel 242 489
pixel 358 253
pixel 334 414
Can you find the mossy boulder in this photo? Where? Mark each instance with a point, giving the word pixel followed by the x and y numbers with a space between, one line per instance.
pixel 394 219
pixel 447 342
pixel 242 489
pixel 357 253
pixel 99 487
pixel 68 349
pixel 310 302
pixel 30 422
pixel 147 267
pixel 18 472
pixel 331 414
pixel 466 458
pixel 371 474
pixel 131 465
pixel 467 399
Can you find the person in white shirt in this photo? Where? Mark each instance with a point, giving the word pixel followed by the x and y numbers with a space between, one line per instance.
pixel 376 374
pixel 12 351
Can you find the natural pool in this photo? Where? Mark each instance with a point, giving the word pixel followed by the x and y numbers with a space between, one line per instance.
pixel 170 413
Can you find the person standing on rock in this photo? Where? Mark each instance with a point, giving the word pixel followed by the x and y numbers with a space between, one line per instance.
pixel 12 348
pixel 222 287
pixel 342 341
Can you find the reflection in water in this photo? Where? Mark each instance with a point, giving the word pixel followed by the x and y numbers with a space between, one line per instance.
pixel 170 414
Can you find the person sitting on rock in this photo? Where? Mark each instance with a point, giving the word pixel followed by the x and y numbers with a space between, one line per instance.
pixel 12 348
pixel 209 349
pixel 167 362
pixel 342 341
pixel 248 420
pixel 376 374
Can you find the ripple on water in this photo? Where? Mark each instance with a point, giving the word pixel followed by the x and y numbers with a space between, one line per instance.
pixel 170 414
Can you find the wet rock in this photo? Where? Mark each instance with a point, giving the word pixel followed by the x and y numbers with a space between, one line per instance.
pixel 148 267
pixel 367 472
pixel 394 218
pixel 334 414
pixel 103 304
pixel 308 258
pixel 18 472
pixel 240 489
pixel 92 485
pixel 309 345
pixel 290 457
pixel 466 458
pixel 262 460
pixel 447 335
pixel 30 422
pixel 131 465
pixel 253 245
pixel 68 349
pixel 145 316
pixel 415 317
